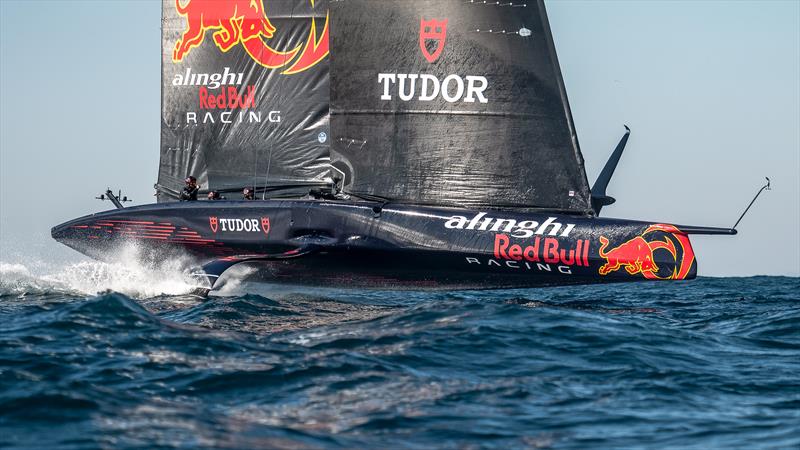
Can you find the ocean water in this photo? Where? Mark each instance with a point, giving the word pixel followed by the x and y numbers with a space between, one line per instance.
pixel 104 356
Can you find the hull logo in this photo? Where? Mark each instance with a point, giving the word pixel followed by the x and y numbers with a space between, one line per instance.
pixel 247 225
pixel 518 229
pixel 636 256
pixel 265 225
pixel 214 223
pixel 432 34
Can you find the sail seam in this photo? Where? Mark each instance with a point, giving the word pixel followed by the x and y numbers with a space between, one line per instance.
pixel 428 111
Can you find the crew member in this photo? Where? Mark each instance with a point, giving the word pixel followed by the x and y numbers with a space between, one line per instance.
pixel 189 193
pixel 214 195
pixel 248 194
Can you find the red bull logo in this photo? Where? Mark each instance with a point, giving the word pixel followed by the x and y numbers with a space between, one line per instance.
pixel 245 22
pixel 432 34
pixel 637 254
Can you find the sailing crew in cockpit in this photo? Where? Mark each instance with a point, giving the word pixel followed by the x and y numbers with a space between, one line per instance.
pixel 189 193
pixel 247 194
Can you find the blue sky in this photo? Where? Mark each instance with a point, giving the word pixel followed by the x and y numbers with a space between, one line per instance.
pixel 711 91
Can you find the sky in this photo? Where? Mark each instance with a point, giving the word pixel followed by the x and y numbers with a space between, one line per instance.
pixel 710 89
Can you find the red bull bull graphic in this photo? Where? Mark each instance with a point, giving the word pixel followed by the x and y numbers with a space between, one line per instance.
pixel 315 50
pixel 245 22
pixel 638 255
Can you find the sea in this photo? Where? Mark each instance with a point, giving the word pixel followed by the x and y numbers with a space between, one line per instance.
pixel 112 357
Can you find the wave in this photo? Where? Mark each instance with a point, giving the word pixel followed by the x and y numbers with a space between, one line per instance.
pixel 125 274
pixel 612 366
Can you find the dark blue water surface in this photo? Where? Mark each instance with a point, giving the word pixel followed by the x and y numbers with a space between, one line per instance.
pixel 713 363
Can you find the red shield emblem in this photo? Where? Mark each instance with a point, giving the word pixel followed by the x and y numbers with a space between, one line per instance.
pixel 432 34
pixel 212 221
pixel 265 225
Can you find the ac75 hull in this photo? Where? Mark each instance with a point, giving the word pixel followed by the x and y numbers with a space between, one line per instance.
pixel 327 243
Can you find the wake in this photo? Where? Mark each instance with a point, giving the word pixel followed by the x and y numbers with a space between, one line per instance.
pixel 126 274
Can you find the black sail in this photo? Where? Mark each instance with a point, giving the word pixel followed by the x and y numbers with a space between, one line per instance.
pixel 498 133
pixel 245 94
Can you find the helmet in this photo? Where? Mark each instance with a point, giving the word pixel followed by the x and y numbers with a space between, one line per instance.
pixel 190 179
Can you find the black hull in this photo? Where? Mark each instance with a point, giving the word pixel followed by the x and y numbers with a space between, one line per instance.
pixel 327 243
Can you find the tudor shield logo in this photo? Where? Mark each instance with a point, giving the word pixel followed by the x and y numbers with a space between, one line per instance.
pixel 265 225
pixel 214 223
pixel 432 34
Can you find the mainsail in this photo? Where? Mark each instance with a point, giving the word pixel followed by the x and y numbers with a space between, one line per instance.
pixel 437 102
pixel 245 94
pixel 452 102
